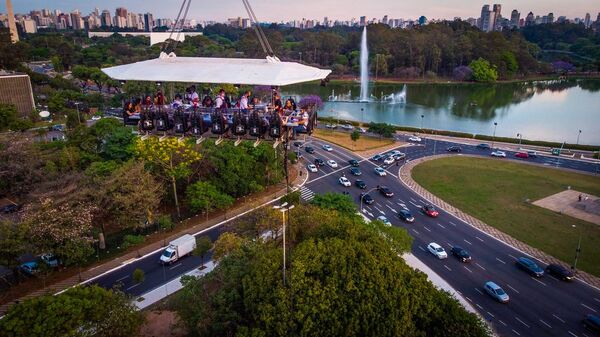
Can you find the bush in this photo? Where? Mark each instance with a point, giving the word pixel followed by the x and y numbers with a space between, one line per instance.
pixel 138 275
pixel 291 198
pixel 132 240
pixel 165 222
pixel 292 157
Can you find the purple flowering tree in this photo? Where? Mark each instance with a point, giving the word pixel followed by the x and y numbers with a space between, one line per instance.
pixel 262 91
pixel 563 66
pixel 310 102
pixel 462 73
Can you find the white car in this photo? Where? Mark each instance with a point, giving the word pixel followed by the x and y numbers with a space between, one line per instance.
pixel 327 147
pixel 380 172
pixel 415 139
pixel 437 250
pixel 498 153
pixel 312 168
pixel 385 221
pixel 389 160
pixel 395 153
pixel 96 117
pixel 344 181
pixel 331 163
pixel 347 127
pixel 361 130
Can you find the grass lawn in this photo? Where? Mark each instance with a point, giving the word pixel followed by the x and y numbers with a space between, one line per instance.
pixel 364 143
pixel 495 191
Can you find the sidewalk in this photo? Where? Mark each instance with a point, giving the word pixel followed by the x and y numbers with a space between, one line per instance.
pixel 136 254
pixel 406 178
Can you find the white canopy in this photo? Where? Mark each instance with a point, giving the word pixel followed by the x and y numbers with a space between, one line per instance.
pixel 170 68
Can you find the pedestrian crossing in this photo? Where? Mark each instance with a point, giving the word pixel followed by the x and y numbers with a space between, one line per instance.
pixel 306 194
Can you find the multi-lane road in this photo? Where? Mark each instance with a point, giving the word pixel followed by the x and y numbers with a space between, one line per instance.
pixel 537 307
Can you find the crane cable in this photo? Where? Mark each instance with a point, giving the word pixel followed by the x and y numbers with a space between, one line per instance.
pixel 259 31
pixel 164 47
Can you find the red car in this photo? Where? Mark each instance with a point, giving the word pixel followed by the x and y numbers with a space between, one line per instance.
pixel 523 155
pixel 429 210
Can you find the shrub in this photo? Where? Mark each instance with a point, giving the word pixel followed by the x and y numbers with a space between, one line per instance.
pixel 132 240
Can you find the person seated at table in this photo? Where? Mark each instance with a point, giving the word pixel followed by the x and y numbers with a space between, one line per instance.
pixel 147 102
pixel 207 102
pixel 302 120
pixel 290 105
pixel 220 100
pixel 277 105
pixel 177 102
pixel 193 96
pixel 137 105
pixel 255 101
pixel 159 99
pixel 244 101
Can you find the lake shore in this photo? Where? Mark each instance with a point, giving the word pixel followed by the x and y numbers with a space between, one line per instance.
pixel 346 79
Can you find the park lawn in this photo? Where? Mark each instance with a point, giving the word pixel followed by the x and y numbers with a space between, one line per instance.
pixel 364 143
pixel 496 192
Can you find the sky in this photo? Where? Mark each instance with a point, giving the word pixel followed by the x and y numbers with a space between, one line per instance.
pixel 285 10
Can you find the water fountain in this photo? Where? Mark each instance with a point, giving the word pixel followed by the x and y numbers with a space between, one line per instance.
pixel 396 98
pixel 347 97
pixel 364 67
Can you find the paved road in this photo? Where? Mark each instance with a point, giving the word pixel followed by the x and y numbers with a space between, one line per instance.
pixel 538 307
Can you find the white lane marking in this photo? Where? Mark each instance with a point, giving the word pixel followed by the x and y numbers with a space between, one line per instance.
pixel 402 201
pixel 421 248
pixel 439 224
pixel 502 322
pixel 478 265
pixel 401 205
pixel 558 318
pixel 489 313
pixel 515 290
pixel 479 291
pixel 478 238
pixel 465 240
pixel 413 200
pixel 121 279
pixel 468 299
pixel 369 208
pixel 389 202
pixel 592 309
pixel 518 319
pixel 546 324
pixel 393 210
pixel 429 230
pixel 445 266
pixel 175 266
pixel 133 286
pixel 480 307
pixel 536 280
pixel 597 300
pixel 469 270
pixel 500 260
pixel 414 230
pixel 414 204
pixel 512 256
pixel 572 334
pixel 452 223
pixel 380 211
pixel 421 201
pixel 518 334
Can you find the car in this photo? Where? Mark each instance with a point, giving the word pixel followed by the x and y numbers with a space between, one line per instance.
pixel 532 154
pixel 461 254
pixel 496 292
pixel 361 130
pixel 399 156
pixel 331 126
pixel 355 171
pixel 385 191
pixel 353 162
pixel 592 323
pixel 347 127
pixel 415 139
pixel 377 157
pixel 312 168
pixel 383 219
pixel 522 155
pixel 498 153
pixel 454 148
pixel 389 160
pixel 50 260
pixel 360 184
pixel 429 210
pixel 380 171
pixel 9 208
pixel 29 268
pixel 298 144
pixel 483 146
pixel 331 163
pixel 319 162
pixel 437 250
pixel 529 266
pixel 559 272
pixel 57 127
pixel 405 215
pixel 327 148
pixel 395 152
pixel 309 149
pixel 345 182
pixel 96 118
pixel 366 198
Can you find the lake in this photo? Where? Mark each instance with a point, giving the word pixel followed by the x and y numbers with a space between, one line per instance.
pixel 539 110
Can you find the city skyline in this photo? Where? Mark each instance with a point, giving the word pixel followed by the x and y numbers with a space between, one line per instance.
pixel 268 10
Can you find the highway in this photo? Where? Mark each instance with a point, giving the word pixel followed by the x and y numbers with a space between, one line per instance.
pixel 537 307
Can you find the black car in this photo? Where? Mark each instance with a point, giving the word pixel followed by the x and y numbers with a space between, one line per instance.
pixel 366 198
pixel 319 162
pixel 298 144
pixel 309 149
pixel 461 254
pixel 355 171
pixel 10 208
pixel 483 146
pixel 353 162
pixel 377 157
pixel 454 149
pixel 386 191
pixel 405 215
pixel 530 267
pixel 592 323
pixel 560 272
pixel 360 184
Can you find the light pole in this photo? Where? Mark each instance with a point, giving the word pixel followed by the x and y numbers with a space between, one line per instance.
pixel 578 134
pixel 77 107
pixel 284 208
pixel 578 249
pixel 422 116
pixel 520 138
pixel 361 198
pixel 494 136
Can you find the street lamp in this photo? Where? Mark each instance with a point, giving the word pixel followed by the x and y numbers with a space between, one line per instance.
pixel 520 138
pixel 494 136
pixel 574 267
pixel 77 107
pixel 284 208
pixel 422 116
pixel 578 134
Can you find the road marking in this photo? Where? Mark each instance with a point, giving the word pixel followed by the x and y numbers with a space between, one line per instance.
pixel 423 249
pixel 558 318
pixel 518 319
pixel 592 309
pixel 515 290
pixel 393 210
pixel 429 230
pixel 546 324
pixel 401 205
pixel 414 230
pixel 133 286
pixel 121 279
pixel 539 281
pixel 439 224
pixel 465 240
pixel 380 211
pixel 480 307
pixel 469 270
pixel 418 206
pixel 452 223
pixel 500 260
pixel 512 256
pixel 489 313
pixel 413 200
pixel 479 291
pixel 478 265
pixel 468 299
pixel 502 322
pixel 402 201
pixel 518 334
pixel 175 266
pixel 445 266
pixel 597 300
pixel 572 334
pixel 478 238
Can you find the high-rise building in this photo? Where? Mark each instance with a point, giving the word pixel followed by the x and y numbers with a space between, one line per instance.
pixel 587 21
pixel 515 16
pixel 12 25
pixel 148 22
pixel 363 21
pixel 550 18
pixel 384 20
pixel 76 21
pixel 496 15
pixel 29 26
pixel 485 21
pixel 105 19
pixel 122 12
pixel 530 19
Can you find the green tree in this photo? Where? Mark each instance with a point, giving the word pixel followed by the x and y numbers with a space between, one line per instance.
pixel 14 242
pixel 79 311
pixel 138 275
pixel 226 243
pixel 382 129
pixel 203 246
pixel 57 64
pixel 483 71
pixel 355 136
pixel 8 115
pixel 336 201
pixel 204 196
